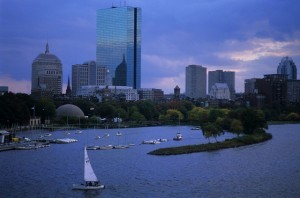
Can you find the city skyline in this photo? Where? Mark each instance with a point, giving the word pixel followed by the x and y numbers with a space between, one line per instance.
pixel 247 37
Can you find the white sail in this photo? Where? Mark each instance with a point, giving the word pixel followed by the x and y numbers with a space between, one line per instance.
pixel 89 174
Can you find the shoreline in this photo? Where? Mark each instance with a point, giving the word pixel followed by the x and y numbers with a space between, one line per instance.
pixel 228 143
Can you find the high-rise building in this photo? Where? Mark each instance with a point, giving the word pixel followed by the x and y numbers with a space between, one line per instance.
pixel 195 81
pixel 220 76
pixel 46 76
pixel 287 67
pixel 88 73
pixel 118 38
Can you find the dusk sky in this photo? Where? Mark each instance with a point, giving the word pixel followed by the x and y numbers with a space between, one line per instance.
pixel 246 36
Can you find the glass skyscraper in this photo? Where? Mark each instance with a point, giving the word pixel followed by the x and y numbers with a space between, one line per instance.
pixel 118 38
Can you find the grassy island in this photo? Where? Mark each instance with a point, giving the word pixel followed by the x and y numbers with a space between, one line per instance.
pixel 228 143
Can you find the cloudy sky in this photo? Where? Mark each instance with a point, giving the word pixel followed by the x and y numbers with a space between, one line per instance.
pixel 246 36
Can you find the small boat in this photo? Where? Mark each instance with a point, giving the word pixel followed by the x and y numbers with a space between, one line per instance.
pixel 93 147
pixel 48 134
pixel 78 132
pixel 98 137
pixel 178 137
pixel 91 180
pixel 150 142
pixel 196 128
pixel 162 140
pixel 106 135
pixel 121 147
pixel 107 147
pixel 118 134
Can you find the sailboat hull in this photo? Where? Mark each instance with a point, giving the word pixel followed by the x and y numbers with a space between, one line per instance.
pixel 84 187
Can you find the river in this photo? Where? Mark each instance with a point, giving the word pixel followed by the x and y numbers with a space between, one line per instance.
pixel 269 169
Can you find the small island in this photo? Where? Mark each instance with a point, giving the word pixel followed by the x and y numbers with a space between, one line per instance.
pixel 248 124
pixel 228 143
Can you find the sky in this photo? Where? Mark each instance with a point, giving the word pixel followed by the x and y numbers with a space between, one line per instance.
pixel 249 37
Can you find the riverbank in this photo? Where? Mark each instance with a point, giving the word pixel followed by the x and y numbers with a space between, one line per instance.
pixel 231 143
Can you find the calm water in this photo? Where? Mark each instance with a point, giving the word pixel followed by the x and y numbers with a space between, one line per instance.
pixel 270 169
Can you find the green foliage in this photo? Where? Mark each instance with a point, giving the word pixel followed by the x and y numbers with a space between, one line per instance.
pixel 15 109
pixel 236 126
pixel 172 115
pixel 45 108
pixel 198 114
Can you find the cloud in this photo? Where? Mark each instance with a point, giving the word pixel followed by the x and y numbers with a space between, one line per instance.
pixel 257 48
pixel 16 86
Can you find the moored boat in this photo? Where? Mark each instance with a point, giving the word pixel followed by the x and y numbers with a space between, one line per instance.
pixel 178 137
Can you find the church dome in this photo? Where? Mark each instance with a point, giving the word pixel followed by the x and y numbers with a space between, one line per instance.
pixel 69 110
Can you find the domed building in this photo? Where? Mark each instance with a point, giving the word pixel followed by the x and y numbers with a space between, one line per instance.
pixel 69 110
pixel 46 76
pixel 288 67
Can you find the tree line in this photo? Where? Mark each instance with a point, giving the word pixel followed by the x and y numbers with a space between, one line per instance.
pixel 18 108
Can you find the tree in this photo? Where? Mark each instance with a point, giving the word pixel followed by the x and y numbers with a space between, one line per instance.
pixel 198 114
pixel 45 108
pixel 174 115
pixel 209 129
pixel 252 120
pixel 236 126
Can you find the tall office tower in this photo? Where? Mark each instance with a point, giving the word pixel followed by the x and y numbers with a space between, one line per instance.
pixel 195 81
pixel 46 76
pixel 118 38
pixel 88 73
pixel 220 76
pixel 287 67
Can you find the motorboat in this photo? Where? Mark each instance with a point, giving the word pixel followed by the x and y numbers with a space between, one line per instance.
pixel 178 137
pixel 91 181
pixel 118 134
pixel 78 132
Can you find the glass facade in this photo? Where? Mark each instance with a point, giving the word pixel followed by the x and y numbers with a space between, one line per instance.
pixel 118 34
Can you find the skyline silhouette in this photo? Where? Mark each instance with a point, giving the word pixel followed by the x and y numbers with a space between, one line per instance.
pixel 248 37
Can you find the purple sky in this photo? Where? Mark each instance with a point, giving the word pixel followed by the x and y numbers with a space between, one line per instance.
pixel 246 36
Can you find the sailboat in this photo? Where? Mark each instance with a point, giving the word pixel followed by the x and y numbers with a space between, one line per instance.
pixel 91 180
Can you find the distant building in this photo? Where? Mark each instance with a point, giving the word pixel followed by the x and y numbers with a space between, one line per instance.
pixel 101 92
pixel 150 94
pixel 293 91
pixel 287 67
pixel 195 81
pixel 220 76
pixel 176 92
pixel 219 91
pixel 88 73
pixel 273 87
pixel 3 90
pixel 118 38
pixel 250 86
pixel 46 76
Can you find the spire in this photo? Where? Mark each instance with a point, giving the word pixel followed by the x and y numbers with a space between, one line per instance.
pixel 47 49
pixel 68 91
